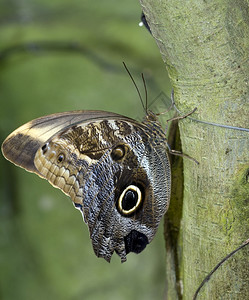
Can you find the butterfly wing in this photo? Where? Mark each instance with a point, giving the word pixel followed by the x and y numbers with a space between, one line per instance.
pixel 115 170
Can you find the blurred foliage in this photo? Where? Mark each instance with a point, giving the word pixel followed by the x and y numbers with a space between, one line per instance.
pixel 57 56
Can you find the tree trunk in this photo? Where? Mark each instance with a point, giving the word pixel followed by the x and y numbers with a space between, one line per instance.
pixel 205 46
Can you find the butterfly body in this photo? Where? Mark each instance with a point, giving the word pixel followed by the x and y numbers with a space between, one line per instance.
pixel 115 169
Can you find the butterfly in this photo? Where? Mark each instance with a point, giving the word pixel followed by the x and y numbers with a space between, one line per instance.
pixel 115 169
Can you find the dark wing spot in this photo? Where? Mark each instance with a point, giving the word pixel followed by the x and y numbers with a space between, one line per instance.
pixel 135 242
pixel 129 200
pixel 60 157
pixel 44 148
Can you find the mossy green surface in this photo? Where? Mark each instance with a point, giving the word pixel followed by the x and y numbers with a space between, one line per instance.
pixel 205 46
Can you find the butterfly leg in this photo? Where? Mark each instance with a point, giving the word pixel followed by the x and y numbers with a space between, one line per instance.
pixel 179 153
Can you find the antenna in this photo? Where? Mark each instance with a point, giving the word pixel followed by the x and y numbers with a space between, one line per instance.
pixel 139 94
pixel 146 94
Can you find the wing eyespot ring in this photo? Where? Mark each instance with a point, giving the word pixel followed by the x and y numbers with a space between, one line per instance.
pixel 130 200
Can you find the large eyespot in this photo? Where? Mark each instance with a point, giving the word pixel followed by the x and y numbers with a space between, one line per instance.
pixel 60 158
pixel 130 200
pixel 118 152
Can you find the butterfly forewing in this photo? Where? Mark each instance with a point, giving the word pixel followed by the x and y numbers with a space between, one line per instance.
pixel 21 145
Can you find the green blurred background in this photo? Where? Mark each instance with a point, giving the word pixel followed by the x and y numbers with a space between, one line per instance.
pixel 45 249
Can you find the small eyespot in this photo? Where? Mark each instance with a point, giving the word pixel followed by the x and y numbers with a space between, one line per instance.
pixel 129 200
pixel 118 152
pixel 44 148
pixel 60 158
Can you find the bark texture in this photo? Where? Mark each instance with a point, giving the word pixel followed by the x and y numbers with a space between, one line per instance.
pixel 205 47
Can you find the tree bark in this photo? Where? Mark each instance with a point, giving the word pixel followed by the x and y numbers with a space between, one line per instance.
pixel 205 47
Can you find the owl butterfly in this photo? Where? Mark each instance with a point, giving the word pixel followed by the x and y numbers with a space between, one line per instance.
pixel 115 169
